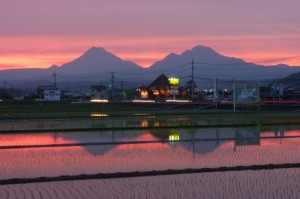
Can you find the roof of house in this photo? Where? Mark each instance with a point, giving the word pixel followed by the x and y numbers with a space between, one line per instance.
pixel 161 81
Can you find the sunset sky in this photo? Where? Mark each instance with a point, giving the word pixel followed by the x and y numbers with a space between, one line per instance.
pixel 37 33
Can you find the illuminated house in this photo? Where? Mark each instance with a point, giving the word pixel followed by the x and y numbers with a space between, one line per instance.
pixel 159 88
pixel 162 88
pixel 142 92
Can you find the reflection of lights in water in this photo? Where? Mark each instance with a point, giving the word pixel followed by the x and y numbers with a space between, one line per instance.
pixel 141 114
pixel 144 101
pixel 144 123
pixel 174 137
pixel 99 115
pixel 144 114
pixel 156 124
pixel 99 101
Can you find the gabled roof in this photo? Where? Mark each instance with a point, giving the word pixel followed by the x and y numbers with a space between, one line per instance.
pixel 162 82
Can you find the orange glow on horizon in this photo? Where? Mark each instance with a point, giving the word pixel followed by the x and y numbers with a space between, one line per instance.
pixel 33 61
pixel 44 51
pixel 144 60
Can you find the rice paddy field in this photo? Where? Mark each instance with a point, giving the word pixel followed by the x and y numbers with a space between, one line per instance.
pixel 133 153
pixel 275 184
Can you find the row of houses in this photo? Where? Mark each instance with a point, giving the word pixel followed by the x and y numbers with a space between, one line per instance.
pixel 160 89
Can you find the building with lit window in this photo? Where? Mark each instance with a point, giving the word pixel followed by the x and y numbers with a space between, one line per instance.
pixel 161 88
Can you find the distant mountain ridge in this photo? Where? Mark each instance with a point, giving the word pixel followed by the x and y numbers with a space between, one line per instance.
pixel 291 80
pixel 207 64
pixel 97 60
pixel 200 53
pixel 210 64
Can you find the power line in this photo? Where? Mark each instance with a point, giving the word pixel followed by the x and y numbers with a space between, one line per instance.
pixel 178 67
pixel 279 59
pixel 78 76
pixel 250 63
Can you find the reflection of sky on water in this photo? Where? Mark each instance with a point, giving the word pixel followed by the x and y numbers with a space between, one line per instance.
pixel 196 140
pixel 216 151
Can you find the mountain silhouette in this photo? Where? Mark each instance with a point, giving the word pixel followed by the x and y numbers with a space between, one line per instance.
pixel 97 64
pixel 199 53
pixel 208 63
pixel 291 80
pixel 97 60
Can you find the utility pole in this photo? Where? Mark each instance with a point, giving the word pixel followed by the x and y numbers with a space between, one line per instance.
pixel 233 93
pixel 122 91
pixel 54 75
pixel 112 85
pixel 192 94
pixel 12 90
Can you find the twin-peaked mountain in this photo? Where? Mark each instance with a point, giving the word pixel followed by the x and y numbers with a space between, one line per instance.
pixel 200 54
pixel 210 64
pixel 97 65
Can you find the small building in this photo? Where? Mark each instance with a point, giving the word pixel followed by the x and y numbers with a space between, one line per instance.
pixel 292 93
pixel 49 93
pixel 52 95
pixel 159 88
pixel 142 92
pixel 99 92
pixel 72 94
pixel 265 93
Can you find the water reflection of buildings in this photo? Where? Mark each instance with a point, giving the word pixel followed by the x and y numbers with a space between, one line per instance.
pixel 199 141
pixel 247 136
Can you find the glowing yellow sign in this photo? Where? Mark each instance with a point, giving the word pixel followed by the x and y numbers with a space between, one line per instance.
pixel 174 81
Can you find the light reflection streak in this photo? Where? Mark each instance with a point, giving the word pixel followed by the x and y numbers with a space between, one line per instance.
pixel 143 101
pixel 179 101
pixel 99 101
pixel 99 115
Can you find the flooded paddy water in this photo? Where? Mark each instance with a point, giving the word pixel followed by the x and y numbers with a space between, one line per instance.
pixel 168 145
